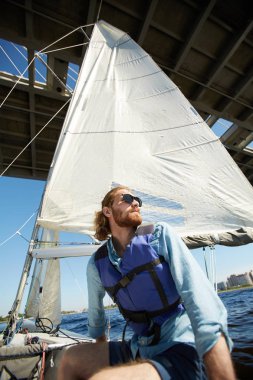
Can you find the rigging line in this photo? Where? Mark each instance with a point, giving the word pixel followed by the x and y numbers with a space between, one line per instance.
pixel 34 137
pixel 86 35
pixel 76 280
pixel 99 9
pixel 16 83
pixel 19 233
pixel 64 48
pixel 215 269
pixel 26 59
pixel 20 228
pixel 10 60
pixel 66 35
pixel 49 68
pixel 205 262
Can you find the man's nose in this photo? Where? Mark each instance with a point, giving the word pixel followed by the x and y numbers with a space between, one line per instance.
pixel 135 203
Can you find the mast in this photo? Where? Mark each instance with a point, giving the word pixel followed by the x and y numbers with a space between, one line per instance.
pixel 13 313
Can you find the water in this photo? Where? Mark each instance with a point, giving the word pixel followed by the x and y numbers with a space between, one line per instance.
pixel 239 304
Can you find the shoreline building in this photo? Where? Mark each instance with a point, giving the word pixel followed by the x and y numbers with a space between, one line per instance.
pixel 240 279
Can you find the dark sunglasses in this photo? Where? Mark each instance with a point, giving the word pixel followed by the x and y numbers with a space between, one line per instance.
pixel 128 198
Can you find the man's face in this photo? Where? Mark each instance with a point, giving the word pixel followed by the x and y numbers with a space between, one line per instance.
pixel 125 214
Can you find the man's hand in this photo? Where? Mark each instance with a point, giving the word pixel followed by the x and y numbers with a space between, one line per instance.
pixel 101 339
pixel 218 362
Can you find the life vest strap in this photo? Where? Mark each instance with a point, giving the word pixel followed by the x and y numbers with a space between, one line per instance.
pixel 124 281
pixel 146 316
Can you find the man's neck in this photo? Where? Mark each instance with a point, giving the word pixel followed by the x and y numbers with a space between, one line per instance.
pixel 121 238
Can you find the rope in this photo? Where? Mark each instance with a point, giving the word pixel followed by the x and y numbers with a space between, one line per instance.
pixel 22 75
pixel 205 261
pixel 19 233
pixel 22 55
pixel 86 35
pixel 43 361
pixel 44 328
pixel 16 83
pixel 49 68
pixel 99 9
pixel 65 35
pixel 35 137
pixel 64 48
pixel 214 271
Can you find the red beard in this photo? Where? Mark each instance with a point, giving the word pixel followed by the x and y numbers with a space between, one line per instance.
pixel 131 219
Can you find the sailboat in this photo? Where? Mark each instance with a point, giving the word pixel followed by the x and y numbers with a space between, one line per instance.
pixel 129 124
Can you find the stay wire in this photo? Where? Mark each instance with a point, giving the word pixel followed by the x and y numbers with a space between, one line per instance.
pixel 18 231
pixel 99 9
pixel 22 76
pixel 64 105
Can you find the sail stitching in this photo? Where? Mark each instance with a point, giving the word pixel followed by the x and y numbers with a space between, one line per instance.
pixel 188 147
pixel 132 60
pixel 136 132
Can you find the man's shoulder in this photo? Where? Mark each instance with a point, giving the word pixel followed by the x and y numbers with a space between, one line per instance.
pixel 145 229
pixel 152 228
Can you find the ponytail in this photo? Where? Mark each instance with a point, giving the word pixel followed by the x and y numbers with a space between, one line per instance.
pixel 102 226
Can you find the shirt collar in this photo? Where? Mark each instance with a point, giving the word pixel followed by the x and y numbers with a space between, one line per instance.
pixel 113 256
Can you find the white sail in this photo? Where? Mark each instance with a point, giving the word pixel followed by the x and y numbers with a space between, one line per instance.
pixel 50 303
pixel 44 299
pixel 33 300
pixel 129 124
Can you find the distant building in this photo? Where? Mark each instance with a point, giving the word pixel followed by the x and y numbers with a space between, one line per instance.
pixel 240 279
pixel 222 285
pixel 232 281
pixel 244 279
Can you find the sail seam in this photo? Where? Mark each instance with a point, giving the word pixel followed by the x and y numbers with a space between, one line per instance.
pixel 124 80
pixel 132 60
pixel 188 147
pixel 136 132
pixel 153 95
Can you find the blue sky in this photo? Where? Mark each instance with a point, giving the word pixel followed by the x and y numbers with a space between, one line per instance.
pixel 19 199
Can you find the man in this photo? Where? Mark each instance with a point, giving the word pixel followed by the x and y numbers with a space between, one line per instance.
pixel 176 316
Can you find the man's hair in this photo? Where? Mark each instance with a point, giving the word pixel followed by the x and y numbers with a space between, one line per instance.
pixel 101 222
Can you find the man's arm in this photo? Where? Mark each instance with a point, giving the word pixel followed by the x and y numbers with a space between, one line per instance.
pixel 218 362
pixel 96 293
pixel 205 309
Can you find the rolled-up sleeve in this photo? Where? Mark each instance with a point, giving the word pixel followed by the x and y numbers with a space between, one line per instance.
pixel 96 293
pixel 206 311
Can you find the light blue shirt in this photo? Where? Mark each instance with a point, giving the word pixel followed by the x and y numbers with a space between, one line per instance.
pixel 204 317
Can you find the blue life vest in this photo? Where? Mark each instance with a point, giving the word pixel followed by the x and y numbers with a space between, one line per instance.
pixel 143 287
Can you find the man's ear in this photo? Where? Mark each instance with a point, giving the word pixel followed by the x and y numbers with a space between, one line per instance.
pixel 107 211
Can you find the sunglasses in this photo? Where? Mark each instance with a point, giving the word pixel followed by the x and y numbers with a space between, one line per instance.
pixel 128 198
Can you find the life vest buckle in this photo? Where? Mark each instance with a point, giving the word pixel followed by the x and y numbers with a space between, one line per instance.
pixel 125 281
